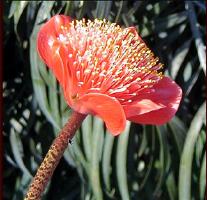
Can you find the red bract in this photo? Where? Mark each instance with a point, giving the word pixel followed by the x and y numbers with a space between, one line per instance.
pixel 107 71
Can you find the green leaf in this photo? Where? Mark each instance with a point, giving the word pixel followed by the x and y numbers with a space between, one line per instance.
pixel 171 186
pixel 106 162
pixel 178 131
pixel 199 146
pixel 16 10
pixel 164 157
pixel 172 36
pixel 17 150
pixel 193 79
pixel 162 23
pixel 119 11
pixel 202 179
pixel 21 186
pixel 97 144
pixel 42 79
pixel 77 152
pixel 103 9
pixel 185 173
pixel 179 57
pixel 144 142
pixel 36 63
pixel 53 99
pixel 121 163
pixel 69 7
pixel 69 156
pixel 149 167
pixel 188 72
pixel 87 136
pixel 45 76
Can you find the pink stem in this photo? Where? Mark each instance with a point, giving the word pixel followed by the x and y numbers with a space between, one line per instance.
pixel 53 156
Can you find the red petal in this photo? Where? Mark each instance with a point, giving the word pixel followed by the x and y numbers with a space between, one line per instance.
pixel 49 47
pixel 141 106
pixel 167 94
pixel 133 30
pixel 108 108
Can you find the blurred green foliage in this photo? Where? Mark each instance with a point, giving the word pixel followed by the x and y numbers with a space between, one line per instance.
pixel 145 162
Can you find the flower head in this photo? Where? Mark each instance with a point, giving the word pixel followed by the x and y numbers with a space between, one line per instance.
pixel 107 71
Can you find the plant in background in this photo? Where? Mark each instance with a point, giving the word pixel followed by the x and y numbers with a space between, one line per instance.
pixel 146 162
pixel 104 70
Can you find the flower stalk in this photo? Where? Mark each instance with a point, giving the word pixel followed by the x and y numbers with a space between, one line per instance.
pixel 52 158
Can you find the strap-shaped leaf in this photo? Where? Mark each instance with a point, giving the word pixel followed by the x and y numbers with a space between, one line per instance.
pixel 97 144
pixel 87 136
pixel 185 172
pixel 103 9
pixel 106 162
pixel 36 63
pixel 202 179
pixel 16 145
pixel 121 163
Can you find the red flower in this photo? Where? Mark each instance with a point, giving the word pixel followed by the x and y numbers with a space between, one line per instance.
pixel 107 71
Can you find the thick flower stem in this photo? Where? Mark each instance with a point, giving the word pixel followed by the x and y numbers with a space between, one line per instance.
pixel 53 157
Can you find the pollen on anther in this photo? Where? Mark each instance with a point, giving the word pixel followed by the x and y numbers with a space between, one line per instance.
pixel 109 58
pixel 70 55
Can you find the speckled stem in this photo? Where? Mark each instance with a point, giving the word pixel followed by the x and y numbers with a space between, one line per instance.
pixel 53 157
